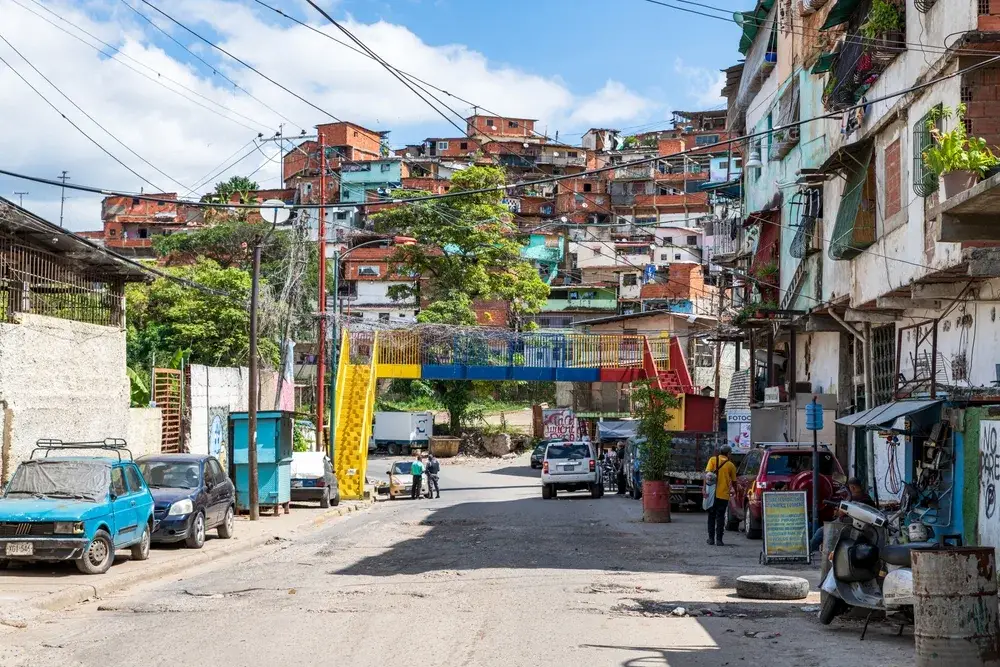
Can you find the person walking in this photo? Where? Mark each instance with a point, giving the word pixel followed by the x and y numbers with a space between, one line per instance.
pixel 417 470
pixel 620 470
pixel 432 471
pixel 725 475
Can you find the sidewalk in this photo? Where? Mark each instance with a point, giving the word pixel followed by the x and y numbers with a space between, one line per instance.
pixel 55 586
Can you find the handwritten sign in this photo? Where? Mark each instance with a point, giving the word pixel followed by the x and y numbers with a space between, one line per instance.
pixel 989 479
pixel 786 526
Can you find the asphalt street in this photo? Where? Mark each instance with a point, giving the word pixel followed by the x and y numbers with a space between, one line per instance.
pixel 488 575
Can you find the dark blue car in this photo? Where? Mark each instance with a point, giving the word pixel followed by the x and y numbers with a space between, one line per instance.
pixel 191 495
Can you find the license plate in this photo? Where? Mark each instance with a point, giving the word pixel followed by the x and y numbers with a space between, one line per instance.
pixel 569 468
pixel 297 483
pixel 20 549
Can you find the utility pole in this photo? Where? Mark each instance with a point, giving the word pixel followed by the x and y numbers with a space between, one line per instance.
pixel 332 442
pixel 321 351
pixel 62 201
pixel 20 198
pixel 717 403
pixel 252 394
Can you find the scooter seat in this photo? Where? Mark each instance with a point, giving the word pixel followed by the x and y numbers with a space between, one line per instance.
pixel 899 554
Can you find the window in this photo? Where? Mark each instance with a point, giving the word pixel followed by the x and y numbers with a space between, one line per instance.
pixel 442 145
pixel 668 240
pixel 386 167
pixel 489 122
pixel 792 463
pixel 117 482
pixel 133 478
pixel 704 354
pixel 402 315
pixel 143 233
pixel 630 280
pixel 571 154
pixel 588 187
pixel 464 145
pixel 135 201
pixel 383 317
pixel 589 295
pixel 355 133
pixel 677 256
pixel 706 139
pixel 574 295
pixel 341 215
pixel 692 240
pixel 112 232
pixel 512 124
pixel 217 471
pixel 737 163
pixel 370 271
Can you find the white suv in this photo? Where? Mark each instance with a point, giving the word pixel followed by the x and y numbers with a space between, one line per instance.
pixel 570 466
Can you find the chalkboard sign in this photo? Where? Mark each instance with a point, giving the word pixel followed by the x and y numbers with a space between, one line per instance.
pixel 786 527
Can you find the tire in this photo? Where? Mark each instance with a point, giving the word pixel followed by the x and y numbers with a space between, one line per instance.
pixel 140 550
pixel 731 523
pixel 771 587
pixel 751 531
pixel 336 499
pixel 546 492
pixel 98 556
pixel 226 528
pixel 554 491
pixel 595 491
pixel 196 537
pixel 324 502
pixel 831 608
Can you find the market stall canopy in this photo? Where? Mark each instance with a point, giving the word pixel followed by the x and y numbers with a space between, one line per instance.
pixel 616 430
pixel 885 415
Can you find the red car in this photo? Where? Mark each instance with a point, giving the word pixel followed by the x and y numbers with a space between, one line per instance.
pixel 781 467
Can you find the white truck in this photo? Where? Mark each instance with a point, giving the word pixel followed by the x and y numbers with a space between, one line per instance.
pixel 397 433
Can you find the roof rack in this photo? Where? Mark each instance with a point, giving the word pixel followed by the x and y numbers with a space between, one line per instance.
pixel 116 445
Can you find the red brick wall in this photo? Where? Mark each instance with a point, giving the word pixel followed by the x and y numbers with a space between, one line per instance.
pixel 366 144
pixel 684 281
pixel 893 180
pixel 669 146
pixel 455 147
pixel 295 160
pixel 984 85
pixel 435 185
pixel 479 125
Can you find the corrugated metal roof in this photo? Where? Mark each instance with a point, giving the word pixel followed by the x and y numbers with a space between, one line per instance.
pixel 885 415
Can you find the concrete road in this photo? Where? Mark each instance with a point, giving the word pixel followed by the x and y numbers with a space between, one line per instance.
pixel 489 575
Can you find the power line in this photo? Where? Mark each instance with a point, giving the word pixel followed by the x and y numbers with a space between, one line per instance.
pixel 115 51
pixel 240 61
pixel 89 117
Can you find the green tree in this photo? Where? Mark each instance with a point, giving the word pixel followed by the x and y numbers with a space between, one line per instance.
pixel 467 250
pixel 165 317
pixel 652 406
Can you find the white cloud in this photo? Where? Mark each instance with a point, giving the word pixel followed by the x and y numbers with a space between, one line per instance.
pixel 704 85
pixel 187 141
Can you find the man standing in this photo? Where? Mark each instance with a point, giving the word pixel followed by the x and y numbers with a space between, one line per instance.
pixel 725 475
pixel 433 468
pixel 417 470
pixel 620 470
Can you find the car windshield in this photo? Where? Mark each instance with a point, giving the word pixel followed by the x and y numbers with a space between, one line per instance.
pixel 540 449
pixel 792 463
pixel 171 474
pixel 401 468
pixel 81 480
pixel 568 451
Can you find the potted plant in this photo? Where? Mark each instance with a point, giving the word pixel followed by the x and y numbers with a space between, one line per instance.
pixel 957 159
pixel 884 27
pixel 653 407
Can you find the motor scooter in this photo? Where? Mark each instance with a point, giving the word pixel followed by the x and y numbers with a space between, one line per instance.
pixel 866 569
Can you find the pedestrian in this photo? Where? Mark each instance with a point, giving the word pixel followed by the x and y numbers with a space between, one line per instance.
pixel 417 470
pixel 433 469
pixel 620 470
pixel 725 475
pixel 858 495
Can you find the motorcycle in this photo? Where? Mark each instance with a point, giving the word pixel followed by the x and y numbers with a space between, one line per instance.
pixel 866 569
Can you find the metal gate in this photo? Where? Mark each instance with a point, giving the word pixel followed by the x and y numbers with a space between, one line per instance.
pixel 167 388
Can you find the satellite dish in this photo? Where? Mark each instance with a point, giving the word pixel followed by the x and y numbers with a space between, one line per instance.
pixel 275 211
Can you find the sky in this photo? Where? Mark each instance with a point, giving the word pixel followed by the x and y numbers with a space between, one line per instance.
pixel 178 121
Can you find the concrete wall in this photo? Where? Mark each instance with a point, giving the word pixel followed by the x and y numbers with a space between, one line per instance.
pixel 144 431
pixel 60 379
pixel 817 361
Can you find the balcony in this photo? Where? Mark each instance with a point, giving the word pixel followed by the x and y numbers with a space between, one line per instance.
pixel 973 215
pixel 129 243
pixel 563 159
pixel 638 172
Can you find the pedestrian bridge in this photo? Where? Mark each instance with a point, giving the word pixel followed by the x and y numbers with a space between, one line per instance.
pixel 445 353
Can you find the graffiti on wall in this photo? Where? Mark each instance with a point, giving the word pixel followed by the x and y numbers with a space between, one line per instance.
pixel 559 424
pixel 989 480
pixel 218 435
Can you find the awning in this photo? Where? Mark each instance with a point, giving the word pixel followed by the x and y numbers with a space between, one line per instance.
pixel 840 13
pixel 750 22
pixel 854 227
pixel 824 63
pixel 885 415
pixel 616 430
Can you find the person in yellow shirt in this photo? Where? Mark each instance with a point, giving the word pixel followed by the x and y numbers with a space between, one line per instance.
pixel 725 476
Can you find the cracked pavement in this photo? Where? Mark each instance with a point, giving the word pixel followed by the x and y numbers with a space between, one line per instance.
pixel 489 574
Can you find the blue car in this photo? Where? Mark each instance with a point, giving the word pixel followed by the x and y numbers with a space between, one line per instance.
pixel 80 508
pixel 191 495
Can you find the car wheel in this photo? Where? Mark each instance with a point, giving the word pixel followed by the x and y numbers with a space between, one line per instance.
pixel 227 525
pixel 752 532
pixel 324 502
pixel 140 550
pixel 731 522
pixel 595 491
pixel 546 492
pixel 336 499
pixel 196 538
pixel 98 555
pixel 831 608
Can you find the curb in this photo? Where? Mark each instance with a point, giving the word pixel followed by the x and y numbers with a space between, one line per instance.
pixel 78 593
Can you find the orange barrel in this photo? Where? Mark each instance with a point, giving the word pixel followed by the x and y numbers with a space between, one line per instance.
pixel 656 502
pixel 956 621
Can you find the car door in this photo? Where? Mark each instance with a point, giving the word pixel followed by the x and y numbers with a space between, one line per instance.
pixel 220 494
pixel 745 478
pixel 331 477
pixel 123 507
pixel 140 495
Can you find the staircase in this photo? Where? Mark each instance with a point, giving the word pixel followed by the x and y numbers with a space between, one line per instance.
pixel 355 401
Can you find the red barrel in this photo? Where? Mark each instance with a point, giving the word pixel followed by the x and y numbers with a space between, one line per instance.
pixel 656 502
